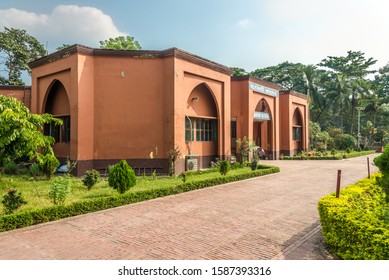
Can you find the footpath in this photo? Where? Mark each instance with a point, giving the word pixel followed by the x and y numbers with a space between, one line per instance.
pixel 270 217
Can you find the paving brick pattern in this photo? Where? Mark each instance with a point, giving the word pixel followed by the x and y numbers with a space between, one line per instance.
pixel 271 217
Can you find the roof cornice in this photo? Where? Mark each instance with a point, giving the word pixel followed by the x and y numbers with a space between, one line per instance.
pixel 144 54
pixel 294 93
pixel 258 81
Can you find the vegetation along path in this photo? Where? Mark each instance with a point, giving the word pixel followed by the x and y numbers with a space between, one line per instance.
pixel 270 217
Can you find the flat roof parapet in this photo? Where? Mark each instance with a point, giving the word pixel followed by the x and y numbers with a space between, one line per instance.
pixel 142 54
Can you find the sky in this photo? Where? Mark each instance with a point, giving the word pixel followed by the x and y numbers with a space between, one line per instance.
pixel 250 34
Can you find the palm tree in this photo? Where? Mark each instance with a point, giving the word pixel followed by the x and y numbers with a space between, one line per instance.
pixel 311 78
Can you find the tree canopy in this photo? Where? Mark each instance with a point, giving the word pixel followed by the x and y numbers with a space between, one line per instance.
pixel 18 49
pixel 337 88
pixel 121 43
pixel 20 132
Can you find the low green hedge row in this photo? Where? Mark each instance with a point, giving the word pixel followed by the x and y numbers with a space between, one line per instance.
pixel 353 225
pixel 33 217
pixel 329 157
pixel 335 157
pixel 358 154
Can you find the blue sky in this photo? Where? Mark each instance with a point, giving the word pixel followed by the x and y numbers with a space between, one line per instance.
pixel 248 33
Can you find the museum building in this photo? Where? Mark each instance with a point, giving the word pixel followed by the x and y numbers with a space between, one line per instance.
pixel 139 105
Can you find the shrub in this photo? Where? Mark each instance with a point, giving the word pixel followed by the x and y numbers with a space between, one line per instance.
pixel 334 151
pixel 382 162
pixel 224 167
pixel 344 141
pixel 59 189
pixel 12 200
pixel 348 150
pixel 121 177
pixel 91 178
pixel 244 146
pixel 172 156
pixel 254 165
pixel 10 168
pixel 35 170
pixel 183 176
pixel 353 224
pixel 48 164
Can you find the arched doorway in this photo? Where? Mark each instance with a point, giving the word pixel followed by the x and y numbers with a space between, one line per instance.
pixel 201 126
pixel 262 128
pixel 297 131
pixel 57 104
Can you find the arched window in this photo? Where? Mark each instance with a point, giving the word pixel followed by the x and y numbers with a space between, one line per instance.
pixel 297 125
pixel 201 126
pixel 57 104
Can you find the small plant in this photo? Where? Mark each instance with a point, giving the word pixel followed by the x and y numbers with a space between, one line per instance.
pixel 236 165
pixel 254 165
pixel 34 170
pixel 334 151
pixel 183 176
pixel 281 156
pixel 244 146
pixel 48 163
pixel 91 178
pixel 173 155
pixel 10 168
pixel 348 150
pixel 59 190
pixel 71 165
pixel 155 175
pixel 12 200
pixel 121 177
pixel 224 167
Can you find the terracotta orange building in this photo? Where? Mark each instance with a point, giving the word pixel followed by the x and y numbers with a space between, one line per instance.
pixel 139 105
pixel 21 93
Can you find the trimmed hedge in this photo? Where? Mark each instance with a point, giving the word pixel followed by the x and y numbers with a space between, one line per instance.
pixel 358 154
pixel 353 225
pixel 33 217
pixel 336 157
pixel 330 157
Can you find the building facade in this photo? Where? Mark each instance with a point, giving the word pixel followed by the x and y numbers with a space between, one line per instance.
pixel 275 120
pixel 21 93
pixel 140 105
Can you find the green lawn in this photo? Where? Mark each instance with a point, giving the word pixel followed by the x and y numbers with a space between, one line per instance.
pixel 36 191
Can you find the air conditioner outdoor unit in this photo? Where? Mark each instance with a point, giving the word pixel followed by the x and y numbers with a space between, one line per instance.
pixel 191 164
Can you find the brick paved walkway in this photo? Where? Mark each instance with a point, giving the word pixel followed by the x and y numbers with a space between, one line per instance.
pixel 272 217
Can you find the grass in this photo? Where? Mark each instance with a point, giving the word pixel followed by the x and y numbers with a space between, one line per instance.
pixel 36 191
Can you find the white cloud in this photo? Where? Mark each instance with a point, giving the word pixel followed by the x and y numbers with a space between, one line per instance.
pixel 243 23
pixel 67 24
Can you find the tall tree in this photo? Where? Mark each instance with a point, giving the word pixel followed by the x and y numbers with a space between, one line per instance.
pixel 63 46
pixel 18 48
pixel 288 75
pixel 121 43
pixel 349 72
pixel 239 72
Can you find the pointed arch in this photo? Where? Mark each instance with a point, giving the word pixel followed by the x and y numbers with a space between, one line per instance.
pixel 297 130
pixel 57 104
pixel 202 101
pixel 263 127
pixel 202 124
pixel 56 100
